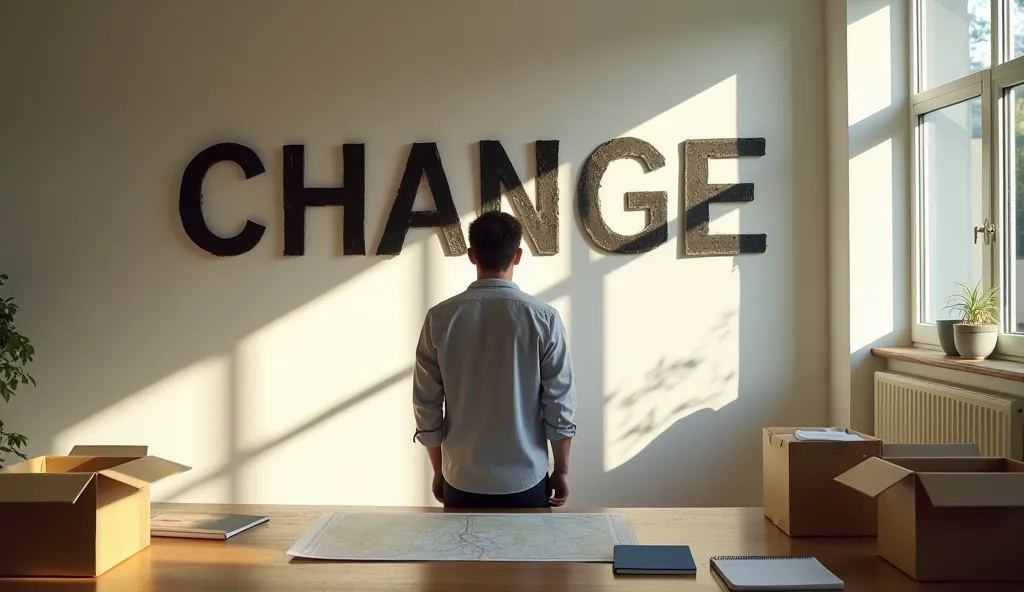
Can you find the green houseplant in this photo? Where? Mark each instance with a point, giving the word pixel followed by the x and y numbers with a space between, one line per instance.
pixel 976 334
pixel 15 353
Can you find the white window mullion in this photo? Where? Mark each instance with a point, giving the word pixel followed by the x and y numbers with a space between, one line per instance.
pixel 990 264
pixel 1000 18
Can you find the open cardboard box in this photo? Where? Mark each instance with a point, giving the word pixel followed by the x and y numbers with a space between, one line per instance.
pixel 800 494
pixel 77 515
pixel 946 519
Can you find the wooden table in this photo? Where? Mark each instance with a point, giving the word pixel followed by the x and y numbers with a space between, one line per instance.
pixel 256 561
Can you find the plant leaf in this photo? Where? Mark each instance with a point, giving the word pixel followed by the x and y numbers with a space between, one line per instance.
pixel 16 352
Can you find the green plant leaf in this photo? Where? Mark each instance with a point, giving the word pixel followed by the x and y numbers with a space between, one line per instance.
pixel 16 352
pixel 974 305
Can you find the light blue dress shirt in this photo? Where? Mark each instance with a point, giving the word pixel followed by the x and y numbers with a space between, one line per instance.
pixel 492 385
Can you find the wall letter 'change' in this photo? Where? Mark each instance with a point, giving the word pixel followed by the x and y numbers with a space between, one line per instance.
pixel 351 196
pixel 540 223
pixel 424 159
pixel 654 203
pixel 699 196
pixel 190 200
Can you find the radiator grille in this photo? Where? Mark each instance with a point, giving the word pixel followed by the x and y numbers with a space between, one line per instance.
pixel 910 411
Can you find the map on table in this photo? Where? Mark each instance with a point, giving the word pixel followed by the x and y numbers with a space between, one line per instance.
pixel 465 537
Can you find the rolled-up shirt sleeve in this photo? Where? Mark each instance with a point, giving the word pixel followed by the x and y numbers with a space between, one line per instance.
pixel 558 395
pixel 427 391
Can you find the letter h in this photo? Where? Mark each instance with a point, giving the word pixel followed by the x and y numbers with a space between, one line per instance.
pixel 350 196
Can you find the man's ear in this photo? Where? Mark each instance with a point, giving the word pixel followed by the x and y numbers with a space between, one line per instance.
pixel 519 255
pixel 472 256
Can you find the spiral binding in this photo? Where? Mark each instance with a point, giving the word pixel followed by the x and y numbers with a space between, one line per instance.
pixel 768 557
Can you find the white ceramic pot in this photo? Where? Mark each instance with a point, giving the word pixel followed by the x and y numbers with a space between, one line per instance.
pixel 975 342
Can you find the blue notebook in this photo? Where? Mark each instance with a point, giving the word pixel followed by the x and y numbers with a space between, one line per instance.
pixel 653 559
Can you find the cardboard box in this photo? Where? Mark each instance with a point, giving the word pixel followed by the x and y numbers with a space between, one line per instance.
pixel 946 519
pixel 801 495
pixel 77 515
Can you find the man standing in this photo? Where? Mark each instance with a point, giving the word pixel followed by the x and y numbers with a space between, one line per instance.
pixel 493 385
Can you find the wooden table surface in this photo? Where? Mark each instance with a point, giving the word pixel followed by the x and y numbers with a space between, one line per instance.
pixel 255 560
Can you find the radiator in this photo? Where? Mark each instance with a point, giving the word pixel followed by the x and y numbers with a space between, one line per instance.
pixel 910 410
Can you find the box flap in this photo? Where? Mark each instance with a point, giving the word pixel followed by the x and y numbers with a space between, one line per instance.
pixel 32 465
pixel 930 450
pixel 772 435
pixel 144 471
pixel 43 487
pixel 873 476
pixel 104 450
pixel 972 490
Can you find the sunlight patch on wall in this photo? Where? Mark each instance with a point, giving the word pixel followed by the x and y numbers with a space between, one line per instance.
pixel 869 64
pixel 871 253
pixel 313 357
pixel 363 455
pixel 671 347
pixel 319 369
pixel 563 304
pixel 181 418
pixel 708 114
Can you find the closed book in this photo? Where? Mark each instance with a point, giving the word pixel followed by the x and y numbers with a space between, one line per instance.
pixel 653 559
pixel 196 525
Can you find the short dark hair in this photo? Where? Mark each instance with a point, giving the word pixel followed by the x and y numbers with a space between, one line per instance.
pixel 494 237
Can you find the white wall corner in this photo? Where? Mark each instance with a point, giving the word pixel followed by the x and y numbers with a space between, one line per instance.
pixel 869 196
pixel 838 212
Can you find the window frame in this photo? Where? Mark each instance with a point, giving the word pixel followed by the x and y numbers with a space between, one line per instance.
pixel 992 84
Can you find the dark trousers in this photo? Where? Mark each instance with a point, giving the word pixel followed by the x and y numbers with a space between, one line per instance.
pixel 535 497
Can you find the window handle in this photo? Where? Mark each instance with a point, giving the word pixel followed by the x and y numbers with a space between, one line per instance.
pixel 989 229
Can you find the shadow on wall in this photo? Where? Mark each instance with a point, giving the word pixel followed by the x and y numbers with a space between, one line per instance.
pixel 663 419
pixel 286 384
pixel 677 438
pixel 649 408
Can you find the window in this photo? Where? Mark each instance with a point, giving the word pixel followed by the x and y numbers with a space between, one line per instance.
pixel 1017 28
pixel 950 183
pixel 954 39
pixel 968 180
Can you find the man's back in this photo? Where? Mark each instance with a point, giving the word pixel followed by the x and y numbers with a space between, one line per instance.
pixel 499 359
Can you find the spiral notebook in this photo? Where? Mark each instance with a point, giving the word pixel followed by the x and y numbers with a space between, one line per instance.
pixel 757 572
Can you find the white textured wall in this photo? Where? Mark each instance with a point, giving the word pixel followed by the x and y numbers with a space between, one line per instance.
pixel 287 380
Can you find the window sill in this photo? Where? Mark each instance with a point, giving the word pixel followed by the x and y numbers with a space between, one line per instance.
pixel 995 368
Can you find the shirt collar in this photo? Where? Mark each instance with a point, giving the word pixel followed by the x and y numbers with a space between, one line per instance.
pixel 493 283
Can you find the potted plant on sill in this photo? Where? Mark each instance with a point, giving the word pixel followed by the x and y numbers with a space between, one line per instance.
pixel 976 334
pixel 15 353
